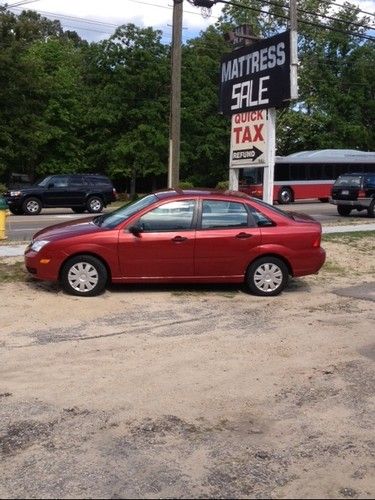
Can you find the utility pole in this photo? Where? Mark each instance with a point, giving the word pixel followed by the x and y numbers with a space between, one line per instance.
pixel 293 49
pixel 175 111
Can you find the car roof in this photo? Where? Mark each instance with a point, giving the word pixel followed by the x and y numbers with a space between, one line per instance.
pixel 167 193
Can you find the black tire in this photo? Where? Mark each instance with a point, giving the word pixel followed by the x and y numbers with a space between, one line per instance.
pixel 94 205
pixel 344 210
pixel 32 206
pixel 78 210
pixel 371 209
pixel 267 276
pixel 84 275
pixel 324 200
pixel 16 211
pixel 285 196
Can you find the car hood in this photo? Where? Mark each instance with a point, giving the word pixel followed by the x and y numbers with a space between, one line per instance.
pixel 68 229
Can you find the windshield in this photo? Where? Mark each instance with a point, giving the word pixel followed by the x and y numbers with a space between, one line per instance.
pixel 121 214
pixel 44 182
pixel 349 180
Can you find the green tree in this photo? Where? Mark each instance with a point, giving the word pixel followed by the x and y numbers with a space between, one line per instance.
pixel 204 133
pixel 128 76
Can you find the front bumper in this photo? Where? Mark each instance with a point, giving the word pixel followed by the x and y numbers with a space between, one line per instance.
pixel 41 265
pixel 14 202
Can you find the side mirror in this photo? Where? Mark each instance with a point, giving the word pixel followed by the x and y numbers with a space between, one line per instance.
pixel 136 229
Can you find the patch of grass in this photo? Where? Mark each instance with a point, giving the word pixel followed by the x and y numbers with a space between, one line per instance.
pixel 12 272
pixel 333 267
pixel 348 237
pixel 354 240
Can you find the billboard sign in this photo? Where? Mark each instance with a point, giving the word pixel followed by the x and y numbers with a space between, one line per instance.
pixel 256 76
pixel 249 139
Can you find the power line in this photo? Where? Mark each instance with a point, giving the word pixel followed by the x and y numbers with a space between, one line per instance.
pixel 97 22
pixel 23 2
pixel 275 4
pixel 280 16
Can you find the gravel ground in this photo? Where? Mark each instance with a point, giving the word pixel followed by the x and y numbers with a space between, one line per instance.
pixel 186 392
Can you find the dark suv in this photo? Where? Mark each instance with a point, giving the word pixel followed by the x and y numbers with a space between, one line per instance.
pixel 354 191
pixel 79 192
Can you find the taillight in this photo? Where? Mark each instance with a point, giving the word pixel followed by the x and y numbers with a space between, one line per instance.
pixel 316 243
pixel 361 194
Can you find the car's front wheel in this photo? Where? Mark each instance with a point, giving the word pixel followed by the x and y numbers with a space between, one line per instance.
pixel 267 276
pixel 32 206
pixel 84 275
pixel 344 210
pixel 94 205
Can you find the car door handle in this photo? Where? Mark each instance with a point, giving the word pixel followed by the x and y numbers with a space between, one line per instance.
pixel 179 239
pixel 243 236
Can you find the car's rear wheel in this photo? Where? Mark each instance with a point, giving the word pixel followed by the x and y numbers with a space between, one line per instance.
pixel 84 275
pixel 94 205
pixel 285 196
pixel 78 210
pixel 344 210
pixel 371 209
pixel 267 276
pixel 32 206
pixel 324 200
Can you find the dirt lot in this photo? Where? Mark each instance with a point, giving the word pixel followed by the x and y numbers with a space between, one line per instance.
pixel 191 392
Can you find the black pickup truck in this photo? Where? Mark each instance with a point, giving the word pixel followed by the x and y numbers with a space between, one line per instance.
pixel 354 191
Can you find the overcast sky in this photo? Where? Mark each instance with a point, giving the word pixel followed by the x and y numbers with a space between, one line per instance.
pixel 97 19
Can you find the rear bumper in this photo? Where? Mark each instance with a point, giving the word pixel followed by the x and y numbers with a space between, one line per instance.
pixel 362 202
pixel 315 260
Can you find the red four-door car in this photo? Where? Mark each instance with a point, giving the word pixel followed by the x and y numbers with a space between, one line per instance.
pixel 192 236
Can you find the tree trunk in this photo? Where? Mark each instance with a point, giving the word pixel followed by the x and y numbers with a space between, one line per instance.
pixel 132 183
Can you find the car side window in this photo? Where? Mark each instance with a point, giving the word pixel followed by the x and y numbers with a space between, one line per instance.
pixel 76 181
pixel 218 214
pixel 260 219
pixel 172 216
pixel 60 181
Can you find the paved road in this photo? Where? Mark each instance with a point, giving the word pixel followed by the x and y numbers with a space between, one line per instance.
pixel 22 227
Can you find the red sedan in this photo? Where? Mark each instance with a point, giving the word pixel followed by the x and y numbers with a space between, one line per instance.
pixel 175 236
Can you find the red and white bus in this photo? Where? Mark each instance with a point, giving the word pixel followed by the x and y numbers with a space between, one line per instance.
pixel 307 175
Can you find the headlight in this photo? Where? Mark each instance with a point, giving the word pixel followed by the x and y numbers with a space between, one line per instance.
pixel 15 193
pixel 38 245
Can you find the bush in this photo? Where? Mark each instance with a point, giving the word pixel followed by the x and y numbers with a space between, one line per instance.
pixel 3 188
pixel 222 185
pixel 185 185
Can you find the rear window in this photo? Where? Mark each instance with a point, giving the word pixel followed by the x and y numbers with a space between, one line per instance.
pixel 349 180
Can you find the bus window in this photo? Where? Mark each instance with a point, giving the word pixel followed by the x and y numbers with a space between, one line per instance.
pixel 282 172
pixel 298 172
pixel 328 171
pixel 316 171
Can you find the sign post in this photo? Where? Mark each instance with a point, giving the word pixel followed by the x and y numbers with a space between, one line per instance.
pixel 268 173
